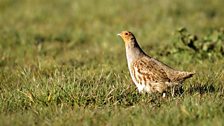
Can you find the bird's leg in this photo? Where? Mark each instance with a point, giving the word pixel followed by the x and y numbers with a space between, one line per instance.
pixel 164 94
pixel 140 88
pixel 173 91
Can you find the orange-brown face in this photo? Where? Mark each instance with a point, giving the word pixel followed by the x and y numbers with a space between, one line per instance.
pixel 126 36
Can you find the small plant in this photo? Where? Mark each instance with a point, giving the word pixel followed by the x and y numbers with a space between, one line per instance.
pixel 211 45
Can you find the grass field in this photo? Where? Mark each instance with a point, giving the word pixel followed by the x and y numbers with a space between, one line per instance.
pixel 61 62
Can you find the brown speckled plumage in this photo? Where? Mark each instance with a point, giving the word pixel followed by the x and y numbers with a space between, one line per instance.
pixel 149 74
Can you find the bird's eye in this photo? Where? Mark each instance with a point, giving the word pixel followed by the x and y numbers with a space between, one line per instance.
pixel 126 33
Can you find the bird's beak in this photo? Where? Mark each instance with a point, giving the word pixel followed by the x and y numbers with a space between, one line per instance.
pixel 119 34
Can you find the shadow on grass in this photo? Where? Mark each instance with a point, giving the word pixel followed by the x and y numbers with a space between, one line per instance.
pixel 202 89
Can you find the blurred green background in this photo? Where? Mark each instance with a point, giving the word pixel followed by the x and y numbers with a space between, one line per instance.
pixel 61 62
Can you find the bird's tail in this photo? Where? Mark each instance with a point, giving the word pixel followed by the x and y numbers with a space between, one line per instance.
pixel 184 75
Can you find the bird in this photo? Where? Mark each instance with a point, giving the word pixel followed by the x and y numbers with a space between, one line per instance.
pixel 149 74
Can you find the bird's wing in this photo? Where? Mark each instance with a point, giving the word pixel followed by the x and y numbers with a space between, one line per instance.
pixel 172 74
pixel 146 69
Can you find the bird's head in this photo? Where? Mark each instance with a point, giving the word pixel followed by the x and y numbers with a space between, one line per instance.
pixel 126 36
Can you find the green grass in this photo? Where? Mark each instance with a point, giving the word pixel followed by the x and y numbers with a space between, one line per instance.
pixel 61 62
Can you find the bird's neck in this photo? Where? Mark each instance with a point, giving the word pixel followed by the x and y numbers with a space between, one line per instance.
pixel 133 51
